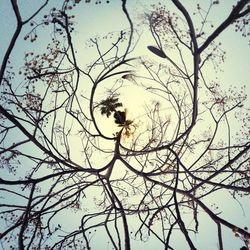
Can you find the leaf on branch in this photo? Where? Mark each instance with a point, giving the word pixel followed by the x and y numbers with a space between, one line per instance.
pixel 157 51
pixel 129 77
pixel 109 105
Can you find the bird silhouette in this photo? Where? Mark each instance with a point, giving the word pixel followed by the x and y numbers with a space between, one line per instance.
pixel 244 248
pixel 120 117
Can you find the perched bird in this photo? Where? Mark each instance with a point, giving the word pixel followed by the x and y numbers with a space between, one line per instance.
pixel 120 117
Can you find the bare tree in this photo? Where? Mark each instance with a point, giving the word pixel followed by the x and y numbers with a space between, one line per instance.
pixel 69 148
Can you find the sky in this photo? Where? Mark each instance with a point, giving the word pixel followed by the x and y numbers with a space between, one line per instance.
pixel 98 20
